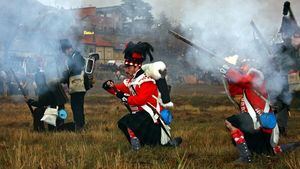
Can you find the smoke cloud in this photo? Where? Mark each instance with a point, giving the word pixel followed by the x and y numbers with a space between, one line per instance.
pixel 30 34
pixel 224 28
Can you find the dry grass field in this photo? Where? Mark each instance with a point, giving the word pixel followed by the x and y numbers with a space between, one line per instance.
pixel 198 118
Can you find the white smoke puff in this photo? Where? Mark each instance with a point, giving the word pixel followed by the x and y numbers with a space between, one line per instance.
pixel 224 27
pixel 29 30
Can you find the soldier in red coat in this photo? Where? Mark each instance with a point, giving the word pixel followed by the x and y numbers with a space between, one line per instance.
pixel 143 125
pixel 255 129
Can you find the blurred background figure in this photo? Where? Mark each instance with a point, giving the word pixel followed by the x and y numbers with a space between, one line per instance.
pixel 287 61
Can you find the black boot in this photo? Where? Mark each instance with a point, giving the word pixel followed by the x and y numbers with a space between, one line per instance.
pixel 135 143
pixel 38 125
pixel 70 126
pixel 245 154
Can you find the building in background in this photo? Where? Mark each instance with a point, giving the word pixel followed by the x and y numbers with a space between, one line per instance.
pixel 104 20
pixel 110 19
pixel 100 27
pixel 106 49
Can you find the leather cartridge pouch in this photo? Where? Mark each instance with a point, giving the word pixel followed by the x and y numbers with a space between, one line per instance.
pixel 76 83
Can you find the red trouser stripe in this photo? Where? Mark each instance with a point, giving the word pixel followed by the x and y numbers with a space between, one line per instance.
pixel 238 136
pixel 277 150
pixel 131 133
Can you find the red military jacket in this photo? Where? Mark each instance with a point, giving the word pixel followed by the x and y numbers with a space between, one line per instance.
pixel 255 97
pixel 143 92
pixel 234 91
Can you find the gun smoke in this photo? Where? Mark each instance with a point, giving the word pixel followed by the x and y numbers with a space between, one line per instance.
pixel 30 32
pixel 224 28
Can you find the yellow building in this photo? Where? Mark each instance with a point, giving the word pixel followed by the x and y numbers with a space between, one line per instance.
pixel 106 53
pixel 106 50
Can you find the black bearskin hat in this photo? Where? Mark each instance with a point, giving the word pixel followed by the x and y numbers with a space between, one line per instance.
pixel 288 24
pixel 288 27
pixel 135 54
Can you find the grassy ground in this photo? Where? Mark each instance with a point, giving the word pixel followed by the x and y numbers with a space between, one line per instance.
pixel 199 114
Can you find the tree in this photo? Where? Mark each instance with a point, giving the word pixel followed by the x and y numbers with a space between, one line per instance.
pixel 137 17
pixel 162 26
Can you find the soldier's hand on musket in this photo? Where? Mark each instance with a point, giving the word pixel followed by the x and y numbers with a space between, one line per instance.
pixel 28 100
pixel 163 73
pixel 224 69
pixel 122 96
pixel 229 126
pixel 109 84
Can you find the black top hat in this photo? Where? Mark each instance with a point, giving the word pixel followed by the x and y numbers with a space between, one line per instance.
pixel 65 44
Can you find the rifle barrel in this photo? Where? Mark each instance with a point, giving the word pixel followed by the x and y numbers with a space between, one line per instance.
pixel 260 36
pixel 185 40
pixel 125 104
pixel 22 90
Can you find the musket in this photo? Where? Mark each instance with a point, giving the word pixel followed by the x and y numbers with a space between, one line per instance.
pixel 185 40
pixel 261 38
pixel 211 55
pixel 22 90
pixel 125 104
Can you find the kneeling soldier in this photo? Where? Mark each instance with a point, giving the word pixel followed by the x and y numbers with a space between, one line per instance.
pixel 140 94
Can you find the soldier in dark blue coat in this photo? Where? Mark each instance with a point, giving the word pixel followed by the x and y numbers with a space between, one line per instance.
pixel 75 78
